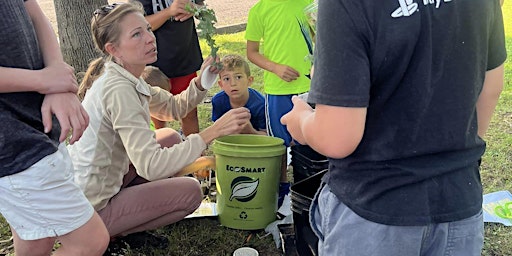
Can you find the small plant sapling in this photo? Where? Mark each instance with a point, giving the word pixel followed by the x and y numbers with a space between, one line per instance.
pixel 205 26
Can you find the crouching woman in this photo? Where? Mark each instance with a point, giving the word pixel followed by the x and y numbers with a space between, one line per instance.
pixel 125 169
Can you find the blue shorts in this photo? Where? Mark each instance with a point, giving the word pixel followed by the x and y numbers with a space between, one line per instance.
pixel 43 201
pixel 343 232
pixel 277 106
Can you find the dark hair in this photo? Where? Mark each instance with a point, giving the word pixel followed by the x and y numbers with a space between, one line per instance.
pixel 232 61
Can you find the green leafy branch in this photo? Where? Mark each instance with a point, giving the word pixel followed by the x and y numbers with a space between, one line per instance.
pixel 205 26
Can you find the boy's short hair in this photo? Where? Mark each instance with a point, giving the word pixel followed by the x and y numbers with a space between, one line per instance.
pixel 232 61
pixel 155 77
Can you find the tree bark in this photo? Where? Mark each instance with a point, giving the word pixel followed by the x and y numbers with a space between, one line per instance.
pixel 74 23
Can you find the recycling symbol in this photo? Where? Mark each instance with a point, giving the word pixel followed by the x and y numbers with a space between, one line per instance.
pixel 243 215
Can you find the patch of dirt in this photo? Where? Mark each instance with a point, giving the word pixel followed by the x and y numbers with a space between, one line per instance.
pixel 228 12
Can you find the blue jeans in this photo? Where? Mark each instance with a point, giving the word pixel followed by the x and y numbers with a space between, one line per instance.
pixel 341 232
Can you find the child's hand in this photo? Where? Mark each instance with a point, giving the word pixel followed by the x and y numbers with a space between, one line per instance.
pixel 177 10
pixel 292 119
pixel 57 78
pixel 70 113
pixel 286 73
pixel 248 129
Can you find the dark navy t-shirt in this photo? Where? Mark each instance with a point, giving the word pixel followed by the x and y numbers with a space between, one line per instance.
pixel 179 53
pixel 22 140
pixel 418 67
pixel 255 104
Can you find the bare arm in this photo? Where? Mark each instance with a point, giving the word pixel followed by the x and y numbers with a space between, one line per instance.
pixel 57 80
pixel 488 99
pixel 286 73
pixel 20 80
pixel 176 11
pixel 45 34
pixel 332 131
pixel 254 55
pixel 56 77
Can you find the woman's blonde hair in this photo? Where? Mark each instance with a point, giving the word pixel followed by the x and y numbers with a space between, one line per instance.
pixel 105 22
pixel 94 70
pixel 105 29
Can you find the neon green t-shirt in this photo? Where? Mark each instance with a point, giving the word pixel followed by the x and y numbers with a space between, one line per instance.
pixel 283 28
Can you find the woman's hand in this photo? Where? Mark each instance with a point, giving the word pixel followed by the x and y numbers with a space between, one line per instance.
pixel 207 67
pixel 232 122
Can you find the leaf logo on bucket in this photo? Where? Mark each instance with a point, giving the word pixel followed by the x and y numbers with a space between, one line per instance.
pixel 243 189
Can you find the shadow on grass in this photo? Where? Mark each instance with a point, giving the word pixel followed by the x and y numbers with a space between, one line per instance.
pixel 205 236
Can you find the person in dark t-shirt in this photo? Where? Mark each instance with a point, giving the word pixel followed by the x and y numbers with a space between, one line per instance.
pixel 404 92
pixel 38 107
pixel 179 53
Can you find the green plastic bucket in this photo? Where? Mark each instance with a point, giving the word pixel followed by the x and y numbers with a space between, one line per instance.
pixel 248 168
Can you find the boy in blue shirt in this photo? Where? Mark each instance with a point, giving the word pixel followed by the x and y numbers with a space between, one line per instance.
pixel 235 82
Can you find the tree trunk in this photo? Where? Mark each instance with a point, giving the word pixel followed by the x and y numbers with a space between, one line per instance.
pixel 74 23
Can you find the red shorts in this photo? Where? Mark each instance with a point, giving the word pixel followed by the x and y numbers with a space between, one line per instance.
pixel 179 84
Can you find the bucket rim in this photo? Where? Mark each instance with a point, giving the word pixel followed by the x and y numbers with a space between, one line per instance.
pixel 273 141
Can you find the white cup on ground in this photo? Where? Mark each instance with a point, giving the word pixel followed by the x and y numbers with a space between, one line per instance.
pixel 245 251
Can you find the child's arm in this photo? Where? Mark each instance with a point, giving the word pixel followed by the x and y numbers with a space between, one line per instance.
pixel 175 12
pixel 332 131
pixel 285 72
pixel 56 77
pixel 488 99
pixel 61 99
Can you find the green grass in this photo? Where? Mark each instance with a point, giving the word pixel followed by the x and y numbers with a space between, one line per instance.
pixel 205 236
pixel 497 162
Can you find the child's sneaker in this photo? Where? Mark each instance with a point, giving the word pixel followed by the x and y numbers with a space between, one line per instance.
pixel 284 189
